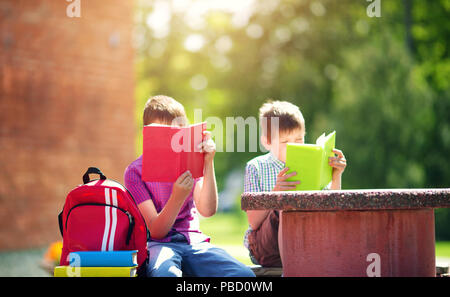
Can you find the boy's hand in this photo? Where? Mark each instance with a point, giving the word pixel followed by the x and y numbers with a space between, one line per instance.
pixel 282 184
pixel 183 186
pixel 338 163
pixel 208 147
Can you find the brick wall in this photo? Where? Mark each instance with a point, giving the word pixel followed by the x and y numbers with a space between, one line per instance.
pixel 66 103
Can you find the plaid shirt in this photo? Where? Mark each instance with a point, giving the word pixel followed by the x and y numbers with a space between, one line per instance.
pixel 261 173
pixel 261 176
pixel 187 221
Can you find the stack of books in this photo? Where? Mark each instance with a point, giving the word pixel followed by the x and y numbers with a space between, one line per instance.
pixel 99 264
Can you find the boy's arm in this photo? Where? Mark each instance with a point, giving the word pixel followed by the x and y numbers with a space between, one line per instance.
pixel 336 182
pixel 256 217
pixel 251 184
pixel 159 224
pixel 338 163
pixel 205 191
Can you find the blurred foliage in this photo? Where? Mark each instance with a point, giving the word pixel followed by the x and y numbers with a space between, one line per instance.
pixel 381 83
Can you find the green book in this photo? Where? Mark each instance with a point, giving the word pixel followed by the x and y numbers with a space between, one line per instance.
pixel 310 161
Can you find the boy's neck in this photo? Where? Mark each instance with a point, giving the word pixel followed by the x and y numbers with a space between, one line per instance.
pixel 275 157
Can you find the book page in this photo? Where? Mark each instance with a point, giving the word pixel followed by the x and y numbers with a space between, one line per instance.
pixel 327 170
pixel 321 140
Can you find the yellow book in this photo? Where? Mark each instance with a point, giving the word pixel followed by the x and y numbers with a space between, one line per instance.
pixel 69 271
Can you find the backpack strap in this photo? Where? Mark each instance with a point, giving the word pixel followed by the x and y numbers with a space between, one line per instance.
pixel 92 170
pixel 60 221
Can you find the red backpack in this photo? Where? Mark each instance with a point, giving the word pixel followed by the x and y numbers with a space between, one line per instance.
pixel 101 215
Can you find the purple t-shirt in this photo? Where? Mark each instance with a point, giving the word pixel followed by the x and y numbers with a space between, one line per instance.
pixel 187 221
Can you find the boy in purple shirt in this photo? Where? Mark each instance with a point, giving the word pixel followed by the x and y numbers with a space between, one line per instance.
pixel 170 210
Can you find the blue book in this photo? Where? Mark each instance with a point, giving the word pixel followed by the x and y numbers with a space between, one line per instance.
pixel 103 259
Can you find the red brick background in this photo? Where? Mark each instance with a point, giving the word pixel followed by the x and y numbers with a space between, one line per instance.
pixel 66 103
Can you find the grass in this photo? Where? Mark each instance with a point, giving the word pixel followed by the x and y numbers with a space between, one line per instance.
pixel 22 263
pixel 443 249
pixel 227 231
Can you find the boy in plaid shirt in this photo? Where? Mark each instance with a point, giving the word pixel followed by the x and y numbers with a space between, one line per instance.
pixel 268 173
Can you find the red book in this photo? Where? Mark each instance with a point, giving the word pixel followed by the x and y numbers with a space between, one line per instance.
pixel 169 151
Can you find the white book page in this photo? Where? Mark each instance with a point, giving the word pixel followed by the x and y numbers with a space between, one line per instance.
pixel 321 139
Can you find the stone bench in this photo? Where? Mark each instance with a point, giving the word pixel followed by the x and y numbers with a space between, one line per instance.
pixel 261 271
pixel 386 232
pixel 442 269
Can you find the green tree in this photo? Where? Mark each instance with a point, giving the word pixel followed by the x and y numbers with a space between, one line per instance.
pixel 382 83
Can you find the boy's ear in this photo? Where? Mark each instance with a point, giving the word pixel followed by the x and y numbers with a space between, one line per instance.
pixel 265 143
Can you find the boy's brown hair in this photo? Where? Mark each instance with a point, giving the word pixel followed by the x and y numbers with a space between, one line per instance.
pixel 164 109
pixel 289 117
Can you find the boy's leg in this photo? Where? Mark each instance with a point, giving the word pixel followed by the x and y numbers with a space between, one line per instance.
pixel 263 242
pixel 204 259
pixel 164 260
